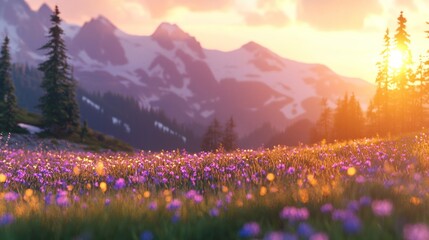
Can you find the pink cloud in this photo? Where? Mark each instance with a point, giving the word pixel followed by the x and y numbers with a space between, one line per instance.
pixel 337 14
pixel 270 14
pixel 271 17
pixel 160 8
pixel 410 4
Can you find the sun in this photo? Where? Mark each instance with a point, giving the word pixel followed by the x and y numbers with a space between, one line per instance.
pixel 396 59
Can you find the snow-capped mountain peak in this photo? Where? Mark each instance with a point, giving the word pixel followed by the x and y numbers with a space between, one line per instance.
pixel 44 10
pixel 253 46
pixel 170 31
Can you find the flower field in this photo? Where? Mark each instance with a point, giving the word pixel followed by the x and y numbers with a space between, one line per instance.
pixel 367 189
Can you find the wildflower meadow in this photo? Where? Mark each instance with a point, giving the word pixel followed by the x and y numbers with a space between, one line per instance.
pixel 363 189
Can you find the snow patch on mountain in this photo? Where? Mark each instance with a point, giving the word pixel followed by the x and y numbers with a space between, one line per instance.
pixel 166 129
pixel 207 113
pixel 12 33
pixel 118 122
pixel 20 12
pixel 70 30
pixel 30 128
pixel 92 104
pixel 184 91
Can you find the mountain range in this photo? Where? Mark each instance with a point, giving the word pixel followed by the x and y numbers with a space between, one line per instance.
pixel 172 72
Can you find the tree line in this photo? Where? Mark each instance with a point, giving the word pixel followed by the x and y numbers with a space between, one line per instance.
pixel 217 137
pixel 60 111
pixel 400 103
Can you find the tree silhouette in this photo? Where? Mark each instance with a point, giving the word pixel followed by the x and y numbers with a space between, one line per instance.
pixel 8 104
pixel 401 78
pixel 229 141
pixel 323 127
pixel 349 122
pixel 212 139
pixel 59 107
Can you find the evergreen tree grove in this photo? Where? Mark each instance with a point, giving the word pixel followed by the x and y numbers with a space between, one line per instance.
pixel 213 137
pixel 349 122
pixel 323 127
pixel 59 107
pixel 8 104
pixel 229 141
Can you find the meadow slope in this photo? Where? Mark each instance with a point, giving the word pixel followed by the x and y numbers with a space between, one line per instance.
pixel 364 189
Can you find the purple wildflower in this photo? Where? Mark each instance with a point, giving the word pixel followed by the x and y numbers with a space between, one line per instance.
pixel 62 199
pixel 174 205
pixel 119 184
pixel 365 201
pixel 319 236
pixel 326 208
pixel 107 202
pixel 419 231
pixel 198 198
pixel 305 230
pixel 342 215
pixel 11 196
pixel 48 199
pixel 214 212
pixel 250 229
pixel 6 219
pixel 294 214
pixel 382 208
pixel 146 235
pixel 353 206
pixel 280 236
pixel 360 179
pixel 153 206
pixel 352 225
pixel 175 218
pixel 191 194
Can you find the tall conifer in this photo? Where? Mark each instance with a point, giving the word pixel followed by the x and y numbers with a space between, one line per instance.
pixel 229 140
pixel 8 105
pixel 59 107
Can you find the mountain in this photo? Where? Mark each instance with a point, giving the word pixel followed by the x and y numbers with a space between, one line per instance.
pixel 170 71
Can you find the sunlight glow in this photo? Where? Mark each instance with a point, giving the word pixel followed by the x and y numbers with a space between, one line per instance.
pixel 396 59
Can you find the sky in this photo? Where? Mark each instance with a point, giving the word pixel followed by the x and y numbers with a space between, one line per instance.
pixel 345 35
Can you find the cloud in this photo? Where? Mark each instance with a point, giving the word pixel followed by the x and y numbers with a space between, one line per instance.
pixel 337 14
pixel 406 3
pixel 275 18
pixel 160 8
pixel 268 12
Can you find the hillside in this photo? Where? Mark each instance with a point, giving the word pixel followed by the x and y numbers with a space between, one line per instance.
pixel 111 114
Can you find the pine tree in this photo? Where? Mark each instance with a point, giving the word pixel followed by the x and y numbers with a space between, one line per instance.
pixel 229 141
pixel 356 120
pixel 212 138
pixel 402 39
pixel 324 123
pixel 419 94
pixel 402 78
pixel 59 107
pixel 349 122
pixel 8 104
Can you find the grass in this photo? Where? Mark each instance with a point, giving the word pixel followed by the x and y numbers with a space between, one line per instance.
pixel 365 189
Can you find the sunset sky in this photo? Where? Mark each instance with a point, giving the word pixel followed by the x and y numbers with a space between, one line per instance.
pixel 346 35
